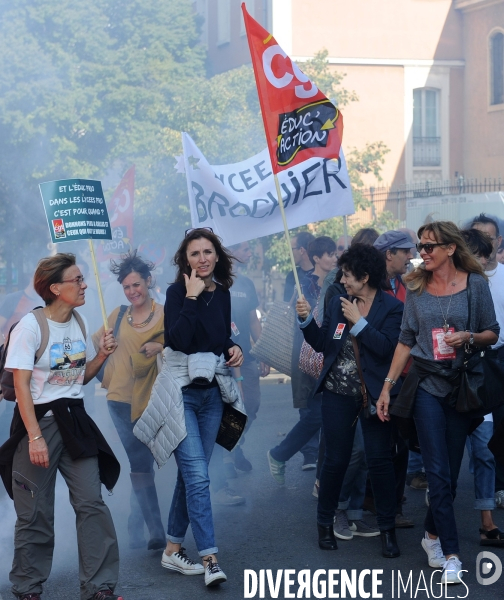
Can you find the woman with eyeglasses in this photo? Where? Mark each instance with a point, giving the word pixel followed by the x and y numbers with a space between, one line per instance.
pixel 128 377
pixel 51 356
pixel 187 402
pixel 434 333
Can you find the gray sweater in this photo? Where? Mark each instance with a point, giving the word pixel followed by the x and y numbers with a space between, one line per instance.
pixel 422 313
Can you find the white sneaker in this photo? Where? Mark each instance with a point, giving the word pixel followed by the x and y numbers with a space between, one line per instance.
pixel 434 552
pixel 179 561
pixel 213 573
pixel 452 571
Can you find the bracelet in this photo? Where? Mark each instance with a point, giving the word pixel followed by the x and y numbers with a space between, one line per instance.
pixel 194 297
pixel 391 381
pixel 239 378
pixel 37 437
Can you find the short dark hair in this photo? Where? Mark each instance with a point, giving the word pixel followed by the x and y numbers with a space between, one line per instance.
pixel 223 272
pixel 362 260
pixel 486 220
pixel 478 242
pixel 49 271
pixel 132 263
pixel 304 239
pixel 366 235
pixel 320 246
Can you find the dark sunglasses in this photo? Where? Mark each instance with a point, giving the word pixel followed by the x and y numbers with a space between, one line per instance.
pixel 429 248
pixel 188 231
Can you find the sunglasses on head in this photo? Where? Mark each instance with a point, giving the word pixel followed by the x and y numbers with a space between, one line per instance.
pixel 188 231
pixel 429 248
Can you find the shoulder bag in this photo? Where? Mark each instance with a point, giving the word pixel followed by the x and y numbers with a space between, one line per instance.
pixel 481 383
pixel 274 346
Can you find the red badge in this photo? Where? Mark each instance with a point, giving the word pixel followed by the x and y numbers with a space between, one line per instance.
pixel 440 348
pixel 234 329
pixel 339 331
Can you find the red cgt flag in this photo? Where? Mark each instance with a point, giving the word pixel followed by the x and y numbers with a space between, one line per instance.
pixel 120 210
pixel 300 122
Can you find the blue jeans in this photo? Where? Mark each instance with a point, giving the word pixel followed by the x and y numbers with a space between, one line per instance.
pixel 338 415
pixel 442 433
pixel 415 462
pixel 191 497
pixel 302 432
pixel 482 462
pixel 353 489
pixel 139 455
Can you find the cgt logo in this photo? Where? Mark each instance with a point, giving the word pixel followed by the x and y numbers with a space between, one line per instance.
pixel 487 563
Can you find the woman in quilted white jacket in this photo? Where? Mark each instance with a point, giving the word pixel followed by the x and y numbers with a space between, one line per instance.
pixel 198 319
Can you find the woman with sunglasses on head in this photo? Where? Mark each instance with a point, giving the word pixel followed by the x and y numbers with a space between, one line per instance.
pixel 52 432
pixel 434 333
pixel 191 389
pixel 128 378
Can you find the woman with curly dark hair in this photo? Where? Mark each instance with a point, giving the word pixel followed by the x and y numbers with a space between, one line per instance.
pixel 361 325
pixel 128 378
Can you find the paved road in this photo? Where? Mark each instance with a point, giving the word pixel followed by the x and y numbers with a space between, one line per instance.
pixel 274 530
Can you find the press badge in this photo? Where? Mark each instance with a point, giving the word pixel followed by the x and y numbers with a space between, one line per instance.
pixel 339 331
pixel 234 329
pixel 440 348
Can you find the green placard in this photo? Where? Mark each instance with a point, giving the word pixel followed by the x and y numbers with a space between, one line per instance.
pixel 75 210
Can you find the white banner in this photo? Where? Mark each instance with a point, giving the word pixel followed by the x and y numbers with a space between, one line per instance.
pixel 239 201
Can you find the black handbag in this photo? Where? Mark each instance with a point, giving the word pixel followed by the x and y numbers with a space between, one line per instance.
pixel 481 383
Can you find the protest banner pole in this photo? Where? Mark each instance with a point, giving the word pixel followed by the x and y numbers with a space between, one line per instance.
pixel 345 231
pixel 287 238
pixel 98 285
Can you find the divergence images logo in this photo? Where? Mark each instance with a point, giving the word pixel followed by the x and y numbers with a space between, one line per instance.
pixel 486 562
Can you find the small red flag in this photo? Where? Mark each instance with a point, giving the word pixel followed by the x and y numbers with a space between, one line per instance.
pixel 300 122
pixel 120 210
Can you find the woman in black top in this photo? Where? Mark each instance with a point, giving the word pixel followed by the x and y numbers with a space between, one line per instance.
pixel 197 320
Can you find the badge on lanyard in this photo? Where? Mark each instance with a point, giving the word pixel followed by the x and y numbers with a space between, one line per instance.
pixel 234 329
pixel 339 331
pixel 440 348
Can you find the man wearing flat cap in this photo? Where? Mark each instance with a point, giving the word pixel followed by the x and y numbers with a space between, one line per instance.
pixel 397 248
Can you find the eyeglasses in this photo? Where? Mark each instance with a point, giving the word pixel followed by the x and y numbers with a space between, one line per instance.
pixel 78 280
pixel 429 248
pixel 188 231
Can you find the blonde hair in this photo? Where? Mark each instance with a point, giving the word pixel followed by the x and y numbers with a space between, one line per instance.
pixel 444 232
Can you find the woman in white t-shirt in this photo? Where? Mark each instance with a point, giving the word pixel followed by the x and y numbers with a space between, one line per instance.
pixel 52 432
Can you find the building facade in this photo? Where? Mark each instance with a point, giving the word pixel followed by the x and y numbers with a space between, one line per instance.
pixel 429 74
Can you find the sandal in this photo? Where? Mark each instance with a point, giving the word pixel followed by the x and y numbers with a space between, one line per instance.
pixel 494 537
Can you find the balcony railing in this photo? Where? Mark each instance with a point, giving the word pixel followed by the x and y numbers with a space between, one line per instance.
pixel 426 151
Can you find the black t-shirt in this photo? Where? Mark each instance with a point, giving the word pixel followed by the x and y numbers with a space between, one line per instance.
pixel 202 325
pixel 243 300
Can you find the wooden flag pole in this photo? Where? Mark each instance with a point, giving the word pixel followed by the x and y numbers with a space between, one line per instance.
pixel 287 238
pixel 98 285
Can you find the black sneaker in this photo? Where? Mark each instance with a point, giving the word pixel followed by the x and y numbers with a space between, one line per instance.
pixel 240 462
pixel 106 595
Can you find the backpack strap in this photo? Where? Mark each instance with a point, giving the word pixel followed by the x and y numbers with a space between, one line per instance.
pixel 81 323
pixel 39 314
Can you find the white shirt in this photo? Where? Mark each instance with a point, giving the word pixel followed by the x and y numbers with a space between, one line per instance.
pixel 496 282
pixel 60 371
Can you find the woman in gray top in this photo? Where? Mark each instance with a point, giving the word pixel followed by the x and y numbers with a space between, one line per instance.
pixel 433 332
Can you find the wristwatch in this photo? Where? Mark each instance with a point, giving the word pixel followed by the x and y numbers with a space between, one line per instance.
pixel 471 338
